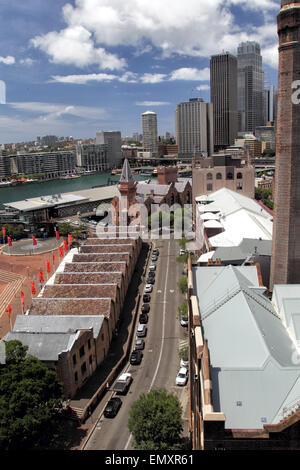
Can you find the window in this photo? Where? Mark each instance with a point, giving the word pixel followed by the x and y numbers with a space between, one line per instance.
pixel 81 351
pixel 102 337
pixel 219 176
pixel 209 176
pixel 229 176
pixel 89 344
pixel 239 186
pixel 76 377
pixel 74 359
pixel 83 368
pixel 90 359
pixel 239 176
pixel 209 187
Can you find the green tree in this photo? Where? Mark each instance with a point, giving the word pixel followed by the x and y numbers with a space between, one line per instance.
pixel 183 311
pixel 64 228
pixel 30 399
pixel 182 284
pixel 155 421
pixel 184 353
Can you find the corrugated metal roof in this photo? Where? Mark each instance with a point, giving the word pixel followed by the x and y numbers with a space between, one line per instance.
pixel 253 369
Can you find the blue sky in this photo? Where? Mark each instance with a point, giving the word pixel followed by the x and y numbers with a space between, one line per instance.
pixel 72 68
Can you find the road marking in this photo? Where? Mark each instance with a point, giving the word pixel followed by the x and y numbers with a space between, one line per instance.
pixel 159 291
pixel 163 335
pixel 172 291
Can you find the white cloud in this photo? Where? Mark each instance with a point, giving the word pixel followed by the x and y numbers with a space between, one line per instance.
pixel 75 46
pixel 153 77
pixel 83 79
pixel 194 27
pixel 27 61
pixel 9 60
pixel 53 111
pixel 186 73
pixel 203 87
pixel 152 103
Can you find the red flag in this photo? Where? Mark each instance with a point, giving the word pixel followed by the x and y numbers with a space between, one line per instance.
pixel 32 287
pixel 9 311
pixel 70 239
pixel 61 253
pixel 9 241
pixel 41 276
pixel 57 235
pixel 48 267
pixel 53 259
pixel 34 240
pixel 4 231
pixel 22 298
pixel 65 245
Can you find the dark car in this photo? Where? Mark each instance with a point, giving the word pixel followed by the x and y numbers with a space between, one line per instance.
pixel 146 298
pixel 112 407
pixel 151 274
pixel 145 308
pixel 150 280
pixel 136 357
pixel 139 344
pixel 155 251
pixel 143 318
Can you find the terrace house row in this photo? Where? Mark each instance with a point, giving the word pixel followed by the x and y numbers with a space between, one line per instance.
pixel 92 281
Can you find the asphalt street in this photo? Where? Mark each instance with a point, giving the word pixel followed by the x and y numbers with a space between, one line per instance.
pixel 160 362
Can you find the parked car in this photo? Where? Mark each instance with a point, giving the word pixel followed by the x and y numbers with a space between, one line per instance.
pixel 184 363
pixel 155 251
pixel 146 298
pixel 139 344
pixel 182 252
pixel 141 330
pixel 136 357
pixel 151 274
pixel 145 308
pixel 148 288
pixel 152 267
pixel 150 280
pixel 184 322
pixel 112 407
pixel 182 376
pixel 143 318
pixel 154 258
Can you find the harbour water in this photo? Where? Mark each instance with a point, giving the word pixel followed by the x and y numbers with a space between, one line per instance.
pixel 26 191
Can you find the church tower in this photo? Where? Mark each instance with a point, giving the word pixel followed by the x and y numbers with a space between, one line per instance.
pixel 285 264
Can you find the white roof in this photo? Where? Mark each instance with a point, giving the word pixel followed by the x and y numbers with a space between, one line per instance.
pixel 212 224
pixel 241 217
pixel 210 216
pixel 205 257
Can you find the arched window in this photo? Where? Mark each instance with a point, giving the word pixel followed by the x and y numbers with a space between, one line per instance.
pixel 219 176
pixel 209 176
pixel 239 176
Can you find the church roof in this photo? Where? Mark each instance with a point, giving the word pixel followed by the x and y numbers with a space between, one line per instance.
pixel 126 175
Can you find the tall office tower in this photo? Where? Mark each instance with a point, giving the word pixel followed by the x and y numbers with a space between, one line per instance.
pixel 149 127
pixel 250 87
pixel 113 141
pixel 285 263
pixel 270 104
pixel 194 128
pixel 223 94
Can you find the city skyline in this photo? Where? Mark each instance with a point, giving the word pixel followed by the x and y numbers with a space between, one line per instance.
pixel 74 68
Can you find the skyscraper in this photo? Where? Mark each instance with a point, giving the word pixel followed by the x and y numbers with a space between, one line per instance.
pixel 113 141
pixel 270 104
pixel 250 87
pixel 149 126
pixel 223 92
pixel 194 127
pixel 285 264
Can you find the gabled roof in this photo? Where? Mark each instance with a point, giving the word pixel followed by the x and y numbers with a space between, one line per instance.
pixel 255 378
